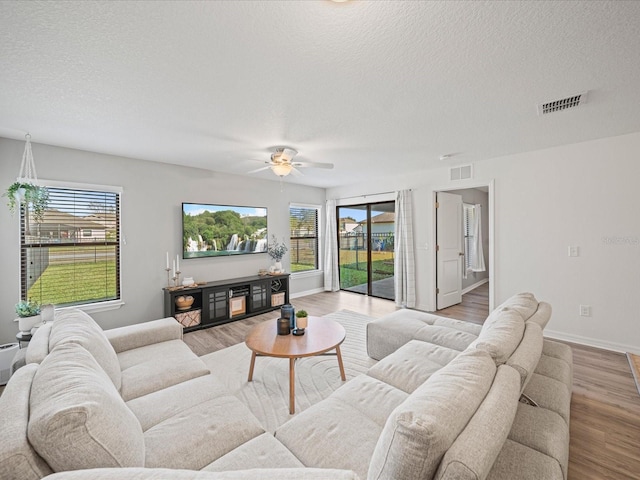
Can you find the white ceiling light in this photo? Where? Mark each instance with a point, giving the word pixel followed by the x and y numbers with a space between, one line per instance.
pixel 282 169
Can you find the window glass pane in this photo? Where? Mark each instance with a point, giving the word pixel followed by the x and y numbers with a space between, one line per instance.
pixel 304 238
pixel 72 256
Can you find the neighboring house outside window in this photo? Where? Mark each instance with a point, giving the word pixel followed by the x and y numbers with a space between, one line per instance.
pixel 304 240
pixel 72 257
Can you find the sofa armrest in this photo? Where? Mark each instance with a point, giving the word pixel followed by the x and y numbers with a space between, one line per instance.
pixel 142 334
pixel 162 474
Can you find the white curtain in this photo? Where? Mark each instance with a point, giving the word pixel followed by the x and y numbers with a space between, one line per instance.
pixel 477 254
pixel 404 267
pixel 331 274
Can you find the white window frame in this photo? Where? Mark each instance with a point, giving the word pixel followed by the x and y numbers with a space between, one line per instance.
pixel 109 304
pixel 319 210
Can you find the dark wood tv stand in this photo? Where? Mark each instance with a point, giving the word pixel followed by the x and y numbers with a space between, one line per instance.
pixel 225 301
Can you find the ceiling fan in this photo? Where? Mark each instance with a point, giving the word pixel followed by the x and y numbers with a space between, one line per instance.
pixel 282 165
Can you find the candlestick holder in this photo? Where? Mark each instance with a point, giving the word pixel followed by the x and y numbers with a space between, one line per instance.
pixel 176 278
pixel 168 277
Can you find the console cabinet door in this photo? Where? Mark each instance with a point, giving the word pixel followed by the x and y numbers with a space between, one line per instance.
pixel 259 297
pixel 216 305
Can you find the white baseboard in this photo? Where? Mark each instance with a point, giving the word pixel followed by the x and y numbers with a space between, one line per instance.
pixel 592 342
pixel 306 292
pixel 475 285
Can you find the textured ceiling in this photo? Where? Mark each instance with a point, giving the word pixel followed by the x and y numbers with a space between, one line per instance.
pixel 374 87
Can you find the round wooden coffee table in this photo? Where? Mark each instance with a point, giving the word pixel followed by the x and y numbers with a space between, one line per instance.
pixel 321 336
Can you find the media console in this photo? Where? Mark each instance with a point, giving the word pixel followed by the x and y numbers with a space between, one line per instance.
pixel 223 301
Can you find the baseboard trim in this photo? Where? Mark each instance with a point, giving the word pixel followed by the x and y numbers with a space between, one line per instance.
pixel 475 285
pixel 592 342
pixel 306 292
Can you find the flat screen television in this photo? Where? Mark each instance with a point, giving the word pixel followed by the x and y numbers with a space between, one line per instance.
pixel 217 230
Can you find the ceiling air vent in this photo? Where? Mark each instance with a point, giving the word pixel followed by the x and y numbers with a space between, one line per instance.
pixel 462 172
pixel 563 104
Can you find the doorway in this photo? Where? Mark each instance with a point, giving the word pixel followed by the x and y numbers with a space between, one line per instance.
pixel 463 255
pixel 366 248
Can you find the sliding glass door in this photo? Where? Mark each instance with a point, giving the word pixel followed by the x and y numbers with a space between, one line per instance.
pixel 366 241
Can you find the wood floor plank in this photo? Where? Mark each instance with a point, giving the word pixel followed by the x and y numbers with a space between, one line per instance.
pixel 605 405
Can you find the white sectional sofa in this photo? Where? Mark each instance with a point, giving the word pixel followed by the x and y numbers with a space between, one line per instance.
pixel 447 400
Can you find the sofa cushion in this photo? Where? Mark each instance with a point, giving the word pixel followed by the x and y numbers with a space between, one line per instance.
pixel 263 451
pixel 154 367
pixel 446 337
pixel 38 347
pixel 78 327
pixel 472 328
pixel 555 368
pixel 542 315
pixel 501 334
pixel 387 334
pixel 477 447
pixel 18 459
pixel 196 436
pixel 78 419
pixel 342 430
pixel 519 461
pixel 524 303
pixel 525 358
pixel 420 430
pixel 408 367
pixel 550 394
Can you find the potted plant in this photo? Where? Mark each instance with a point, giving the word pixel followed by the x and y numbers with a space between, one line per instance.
pixel 28 315
pixel 301 319
pixel 276 251
pixel 28 193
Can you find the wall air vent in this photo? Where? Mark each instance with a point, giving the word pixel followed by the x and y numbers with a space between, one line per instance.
pixel 463 172
pixel 562 104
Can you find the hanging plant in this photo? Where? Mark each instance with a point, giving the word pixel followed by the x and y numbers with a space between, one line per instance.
pixel 31 195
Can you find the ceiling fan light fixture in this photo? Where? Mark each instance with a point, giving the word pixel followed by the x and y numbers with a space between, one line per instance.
pixel 282 170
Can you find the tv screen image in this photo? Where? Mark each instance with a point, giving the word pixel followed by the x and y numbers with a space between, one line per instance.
pixel 217 230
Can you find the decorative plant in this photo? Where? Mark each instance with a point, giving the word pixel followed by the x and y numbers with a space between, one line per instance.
pixel 36 196
pixel 276 250
pixel 27 308
pixel 301 314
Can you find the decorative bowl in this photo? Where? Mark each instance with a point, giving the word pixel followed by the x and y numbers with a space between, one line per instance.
pixel 184 302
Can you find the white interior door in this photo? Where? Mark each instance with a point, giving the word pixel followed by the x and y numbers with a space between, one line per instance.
pixel 449 249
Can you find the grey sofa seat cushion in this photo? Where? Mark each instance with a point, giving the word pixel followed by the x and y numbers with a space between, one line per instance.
pixel 525 358
pixel 342 430
pixel 544 431
pixel 168 474
pixel 550 394
pixel 263 451
pixel 462 325
pixel 409 367
pixel 154 367
pixel 555 368
pixel 18 459
pixel 158 406
pixel 78 327
pixel 519 461
pixel 78 419
pixel 445 337
pixel 472 454
pixel 559 351
pixel 195 437
pixel 385 335
pixel 501 334
pixel 420 430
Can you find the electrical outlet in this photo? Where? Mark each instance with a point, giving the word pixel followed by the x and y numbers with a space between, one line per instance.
pixel 574 251
pixel 585 310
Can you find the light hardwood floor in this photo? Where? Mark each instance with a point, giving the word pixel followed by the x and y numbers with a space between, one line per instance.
pixel 605 406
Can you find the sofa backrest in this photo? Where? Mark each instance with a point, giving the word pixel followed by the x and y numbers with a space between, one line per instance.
pixel 475 450
pixel 501 334
pixel 526 357
pixel 77 418
pixel 38 347
pixel 524 303
pixel 420 430
pixel 542 315
pixel 18 459
pixel 76 326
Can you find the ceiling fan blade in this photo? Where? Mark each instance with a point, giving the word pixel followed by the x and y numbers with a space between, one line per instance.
pixel 297 173
pixel 312 164
pixel 259 169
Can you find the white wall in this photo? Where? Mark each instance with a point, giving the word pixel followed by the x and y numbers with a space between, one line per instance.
pixel 581 194
pixel 151 223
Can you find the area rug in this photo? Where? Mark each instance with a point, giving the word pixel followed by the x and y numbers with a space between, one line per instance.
pixel 267 396
pixel 634 363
